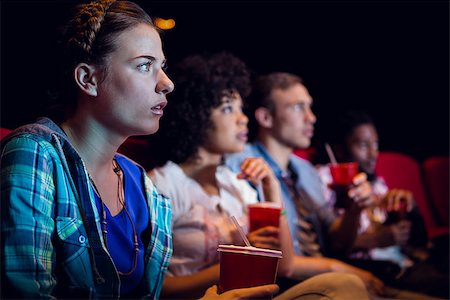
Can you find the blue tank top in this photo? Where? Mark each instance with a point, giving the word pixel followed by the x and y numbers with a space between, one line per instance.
pixel 120 238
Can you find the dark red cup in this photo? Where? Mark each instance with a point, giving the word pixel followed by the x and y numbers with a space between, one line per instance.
pixel 342 180
pixel 263 214
pixel 242 267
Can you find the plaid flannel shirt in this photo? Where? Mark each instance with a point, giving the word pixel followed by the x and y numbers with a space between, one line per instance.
pixel 51 240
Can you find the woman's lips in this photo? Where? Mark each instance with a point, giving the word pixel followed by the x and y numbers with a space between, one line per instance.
pixel 243 136
pixel 158 109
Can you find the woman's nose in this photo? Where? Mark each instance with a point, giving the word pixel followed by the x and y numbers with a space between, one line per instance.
pixel 243 119
pixel 164 85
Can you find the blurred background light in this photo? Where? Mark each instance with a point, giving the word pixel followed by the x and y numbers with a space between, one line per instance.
pixel 164 24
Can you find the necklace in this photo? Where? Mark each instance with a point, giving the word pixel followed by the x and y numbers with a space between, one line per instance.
pixel 120 192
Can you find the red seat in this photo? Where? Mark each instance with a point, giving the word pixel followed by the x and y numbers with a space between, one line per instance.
pixel 436 179
pixel 4 132
pixel 404 172
pixel 136 148
pixel 308 154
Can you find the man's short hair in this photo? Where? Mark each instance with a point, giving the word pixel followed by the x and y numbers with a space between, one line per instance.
pixel 261 95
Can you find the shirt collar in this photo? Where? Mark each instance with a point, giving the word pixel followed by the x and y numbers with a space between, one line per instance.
pixel 275 167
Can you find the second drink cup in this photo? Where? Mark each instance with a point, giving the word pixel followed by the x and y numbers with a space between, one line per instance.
pixel 263 214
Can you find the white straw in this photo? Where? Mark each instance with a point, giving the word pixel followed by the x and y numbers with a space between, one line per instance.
pixel 330 154
pixel 262 197
pixel 241 232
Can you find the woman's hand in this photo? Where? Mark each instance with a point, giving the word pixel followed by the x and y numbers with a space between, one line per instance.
pixel 265 237
pixel 258 292
pixel 257 171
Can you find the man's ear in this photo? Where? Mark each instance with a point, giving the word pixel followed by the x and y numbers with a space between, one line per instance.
pixel 264 117
pixel 86 78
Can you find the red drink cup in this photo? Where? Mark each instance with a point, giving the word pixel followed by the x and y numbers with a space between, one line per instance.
pixel 242 267
pixel 263 214
pixel 342 175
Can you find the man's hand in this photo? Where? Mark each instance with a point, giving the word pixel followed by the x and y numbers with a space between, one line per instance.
pixel 401 231
pixel 362 193
pixel 398 200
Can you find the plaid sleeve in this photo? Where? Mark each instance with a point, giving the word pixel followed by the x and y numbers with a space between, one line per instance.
pixel 27 193
pixel 160 246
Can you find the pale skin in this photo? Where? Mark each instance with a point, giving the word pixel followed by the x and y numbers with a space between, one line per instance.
pixel 128 100
pixel 111 107
pixel 288 126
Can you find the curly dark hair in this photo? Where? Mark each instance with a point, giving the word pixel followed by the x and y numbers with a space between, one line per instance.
pixel 200 84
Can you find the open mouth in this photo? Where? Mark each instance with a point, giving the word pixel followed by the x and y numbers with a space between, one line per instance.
pixel 243 136
pixel 158 109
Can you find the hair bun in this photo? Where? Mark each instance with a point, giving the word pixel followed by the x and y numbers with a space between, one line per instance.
pixel 87 23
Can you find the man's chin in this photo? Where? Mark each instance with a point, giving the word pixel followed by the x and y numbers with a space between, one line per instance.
pixel 303 144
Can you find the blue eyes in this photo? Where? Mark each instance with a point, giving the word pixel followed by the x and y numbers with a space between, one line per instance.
pixel 299 107
pixel 145 67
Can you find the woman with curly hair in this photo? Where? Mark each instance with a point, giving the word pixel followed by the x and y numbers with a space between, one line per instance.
pixel 203 122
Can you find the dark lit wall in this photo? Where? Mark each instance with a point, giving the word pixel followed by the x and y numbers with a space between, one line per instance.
pixel 390 58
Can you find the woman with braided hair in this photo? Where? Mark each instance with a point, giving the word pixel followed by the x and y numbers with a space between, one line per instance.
pixel 79 220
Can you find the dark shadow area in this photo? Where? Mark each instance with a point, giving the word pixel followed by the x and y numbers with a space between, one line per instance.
pixel 389 58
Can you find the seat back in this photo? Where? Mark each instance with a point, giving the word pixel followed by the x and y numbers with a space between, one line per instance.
pixel 4 131
pixel 403 172
pixel 308 153
pixel 436 179
pixel 137 148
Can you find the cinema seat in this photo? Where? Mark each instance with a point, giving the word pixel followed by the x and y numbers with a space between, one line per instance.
pixel 308 154
pixel 436 179
pixel 404 172
pixel 136 148
pixel 4 131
